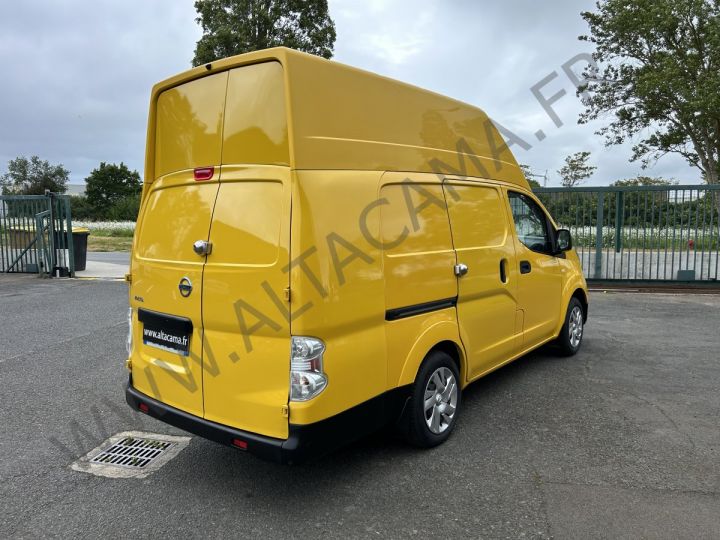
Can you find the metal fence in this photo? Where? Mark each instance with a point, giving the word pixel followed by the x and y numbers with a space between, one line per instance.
pixel 643 233
pixel 36 235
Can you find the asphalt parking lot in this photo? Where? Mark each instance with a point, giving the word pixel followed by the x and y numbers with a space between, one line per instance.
pixel 621 441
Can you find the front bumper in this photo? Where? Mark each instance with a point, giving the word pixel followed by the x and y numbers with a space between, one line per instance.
pixel 305 442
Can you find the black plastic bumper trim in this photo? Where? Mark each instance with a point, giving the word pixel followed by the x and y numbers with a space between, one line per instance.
pixel 304 443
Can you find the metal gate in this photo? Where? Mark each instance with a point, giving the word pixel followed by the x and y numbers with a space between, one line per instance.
pixel 36 234
pixel 648 234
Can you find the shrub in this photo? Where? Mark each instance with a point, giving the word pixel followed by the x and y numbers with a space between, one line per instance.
pixel 80 208
pixel 125 209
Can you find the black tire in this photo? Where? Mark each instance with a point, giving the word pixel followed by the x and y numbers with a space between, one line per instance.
pixel 565 342
pixel 413 424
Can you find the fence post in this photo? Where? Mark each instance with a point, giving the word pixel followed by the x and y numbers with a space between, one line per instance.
pixel 51 231
pixel 619 219
pixel 599 235
pixel 69 236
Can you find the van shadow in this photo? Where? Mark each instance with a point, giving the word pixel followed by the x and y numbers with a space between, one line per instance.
pixel 507 377
pixel 375 459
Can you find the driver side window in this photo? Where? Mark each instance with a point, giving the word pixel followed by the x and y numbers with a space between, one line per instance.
pixel 530 222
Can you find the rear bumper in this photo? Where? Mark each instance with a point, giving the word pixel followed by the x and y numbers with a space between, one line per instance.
pixel 304 443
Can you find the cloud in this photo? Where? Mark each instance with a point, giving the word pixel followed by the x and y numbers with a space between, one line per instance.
pixel 77 74
pixel 490 54
pixel 77 77
pixel 403 29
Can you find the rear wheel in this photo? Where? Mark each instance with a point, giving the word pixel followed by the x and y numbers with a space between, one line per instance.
pixel 432 411
pixel 571 335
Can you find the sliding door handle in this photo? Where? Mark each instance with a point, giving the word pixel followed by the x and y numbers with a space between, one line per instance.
pixel 503 272
pixel 525 267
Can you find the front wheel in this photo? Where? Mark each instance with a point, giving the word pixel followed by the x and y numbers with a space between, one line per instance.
pixel 432 411
pixel 571 335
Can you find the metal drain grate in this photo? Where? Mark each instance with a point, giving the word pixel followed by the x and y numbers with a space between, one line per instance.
pixel 132 452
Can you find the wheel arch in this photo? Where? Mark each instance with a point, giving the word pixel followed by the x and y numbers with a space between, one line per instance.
pixel 581 295
pixel 453 350
pixel 439 337
pixel 574 289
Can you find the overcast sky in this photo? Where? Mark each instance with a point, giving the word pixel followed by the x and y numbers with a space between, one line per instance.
pixel 77 74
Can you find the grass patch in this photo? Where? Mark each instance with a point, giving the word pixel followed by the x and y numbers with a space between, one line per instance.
pixel 112 232
pixel 109 243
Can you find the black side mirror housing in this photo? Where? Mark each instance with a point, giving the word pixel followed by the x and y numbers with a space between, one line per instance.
pixel 563 240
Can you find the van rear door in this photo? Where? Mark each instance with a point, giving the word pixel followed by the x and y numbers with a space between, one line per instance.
pixel 166 291
pixel 246 281
pixel 247 333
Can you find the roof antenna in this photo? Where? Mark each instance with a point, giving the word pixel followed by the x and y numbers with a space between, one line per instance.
pixel 208 66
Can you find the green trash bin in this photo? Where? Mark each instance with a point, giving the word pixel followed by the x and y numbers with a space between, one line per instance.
pixel 80 241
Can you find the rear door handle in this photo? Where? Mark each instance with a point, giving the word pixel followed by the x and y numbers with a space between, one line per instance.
pixel 202 248
pixel 460 269
pixel 503 274
pixel 525 267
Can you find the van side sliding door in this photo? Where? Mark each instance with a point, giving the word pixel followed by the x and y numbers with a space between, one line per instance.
pixel 487 293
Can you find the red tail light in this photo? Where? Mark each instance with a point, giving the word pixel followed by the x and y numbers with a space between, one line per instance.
pixel 143 408
pixel 204 173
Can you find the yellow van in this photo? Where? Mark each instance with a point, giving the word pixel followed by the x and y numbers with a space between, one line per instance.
pixel 322 251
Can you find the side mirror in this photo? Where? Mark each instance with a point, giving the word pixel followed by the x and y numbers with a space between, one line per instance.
pixel 563 240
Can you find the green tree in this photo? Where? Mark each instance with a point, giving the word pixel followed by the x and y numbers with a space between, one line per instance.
pixel 658 78
pixel 238 26
pixel 109 185
pixel 533 183
pixel 641 208
pixel 126 209
pixel 576 169
pixel 529 175
pixel 643 181
pixel 33 176
pixel 80 208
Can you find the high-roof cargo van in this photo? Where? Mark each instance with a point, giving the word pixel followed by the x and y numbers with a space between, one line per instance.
pixel 322 251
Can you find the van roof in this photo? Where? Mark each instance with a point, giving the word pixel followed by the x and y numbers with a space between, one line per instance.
pixel 346 118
